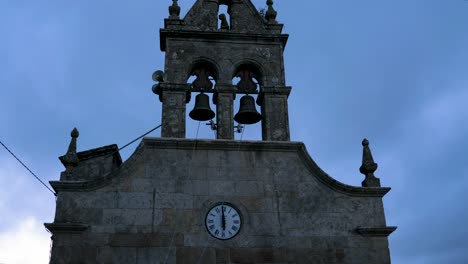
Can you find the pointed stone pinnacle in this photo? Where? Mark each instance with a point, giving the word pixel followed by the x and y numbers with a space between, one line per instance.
pixel 174 10
pixel 368 166
pixel 70 159
pixel 365 142
pixel 75 133
pixel 271 13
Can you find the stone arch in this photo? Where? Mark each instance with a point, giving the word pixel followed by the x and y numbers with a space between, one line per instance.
pixel 203 69
pixel 247 71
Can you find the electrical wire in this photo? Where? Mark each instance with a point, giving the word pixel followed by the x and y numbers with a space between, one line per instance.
pixel 43 183
pixel 26 167
pixel 140 137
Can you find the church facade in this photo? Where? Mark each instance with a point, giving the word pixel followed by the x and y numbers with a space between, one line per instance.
pixel 179 200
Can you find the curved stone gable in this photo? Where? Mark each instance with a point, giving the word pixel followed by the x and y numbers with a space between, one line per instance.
pixel 221 145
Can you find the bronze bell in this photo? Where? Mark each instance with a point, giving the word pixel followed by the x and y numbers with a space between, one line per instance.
pixel 202 110
pixel 247 112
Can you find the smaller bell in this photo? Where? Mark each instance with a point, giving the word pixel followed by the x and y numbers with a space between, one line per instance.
pixel 202 110
pixel 247 114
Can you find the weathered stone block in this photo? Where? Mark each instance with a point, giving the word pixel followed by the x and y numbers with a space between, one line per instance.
pixel 103 200
pixel 116 255
pixel 145 240
pixel 222 187
pixel 156 255
pixel 135 200
pixel 174 200
pixel 249 188
pixel 195 255
pixel 129 217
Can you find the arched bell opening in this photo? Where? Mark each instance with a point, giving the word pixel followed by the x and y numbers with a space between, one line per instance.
pixel 247 117
pixel 248 78
pixel 202 80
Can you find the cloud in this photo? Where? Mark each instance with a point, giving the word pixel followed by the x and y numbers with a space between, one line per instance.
pixel 446 117
pixel 26 243
pixel 24 196
pixel 428 173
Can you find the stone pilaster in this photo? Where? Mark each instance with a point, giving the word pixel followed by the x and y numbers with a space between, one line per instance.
pixel 174 99
pixel 224 100
pixel 274 104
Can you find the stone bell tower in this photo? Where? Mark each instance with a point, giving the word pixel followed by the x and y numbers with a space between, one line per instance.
pixel 221 201
pixel 249 47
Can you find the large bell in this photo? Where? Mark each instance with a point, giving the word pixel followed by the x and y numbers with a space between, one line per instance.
pixel 202 110
pixel 247 112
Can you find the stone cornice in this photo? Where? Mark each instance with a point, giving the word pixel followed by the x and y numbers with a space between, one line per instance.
pixel 177 87
pixel 230 145
pixel 99 152
pixel 227 36
pixel 376 231
pixel 285 90
pixel 339 186
pixel 55 228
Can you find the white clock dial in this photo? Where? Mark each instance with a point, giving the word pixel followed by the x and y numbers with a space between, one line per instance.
pixel 223 221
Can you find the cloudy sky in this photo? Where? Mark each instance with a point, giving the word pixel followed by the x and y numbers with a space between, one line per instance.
pixel 392 71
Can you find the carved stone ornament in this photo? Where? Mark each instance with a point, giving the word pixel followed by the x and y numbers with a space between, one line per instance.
pixel 203 82
pixel 271 13
pixel 246 84
pixel 174 10
pixel 70 159
pixel 368 166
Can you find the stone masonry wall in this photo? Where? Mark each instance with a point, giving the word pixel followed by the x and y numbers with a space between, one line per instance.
pixel 152 209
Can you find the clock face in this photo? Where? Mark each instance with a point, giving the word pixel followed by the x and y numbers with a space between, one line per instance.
pixel 223 221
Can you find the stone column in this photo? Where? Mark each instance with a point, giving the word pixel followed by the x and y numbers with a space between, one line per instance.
pixel 224 100
pixel 274 104
pixel 174 99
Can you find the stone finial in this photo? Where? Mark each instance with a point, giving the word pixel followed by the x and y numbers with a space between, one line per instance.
pixel 271 13
pixel 174 10
pixel 368 166
pixel 70 159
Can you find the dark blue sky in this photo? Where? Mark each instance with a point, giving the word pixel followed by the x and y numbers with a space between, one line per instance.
pixel 392 71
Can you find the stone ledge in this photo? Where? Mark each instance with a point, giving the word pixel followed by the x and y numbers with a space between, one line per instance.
pixel 65 228
pixel 227 36
pixel 376 231
pixel 80 186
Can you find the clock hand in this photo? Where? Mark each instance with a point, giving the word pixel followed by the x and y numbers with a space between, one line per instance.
pixel 223 219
